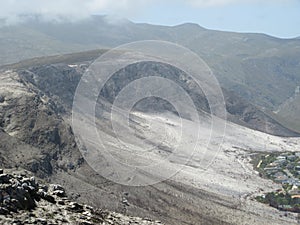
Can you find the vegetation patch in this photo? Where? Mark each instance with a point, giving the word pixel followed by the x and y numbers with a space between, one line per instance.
pixel 282 168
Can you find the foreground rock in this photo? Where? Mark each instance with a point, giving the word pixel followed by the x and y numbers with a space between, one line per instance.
pixel 25 201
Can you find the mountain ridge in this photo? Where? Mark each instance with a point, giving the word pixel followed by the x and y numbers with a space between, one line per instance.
pixel 255 66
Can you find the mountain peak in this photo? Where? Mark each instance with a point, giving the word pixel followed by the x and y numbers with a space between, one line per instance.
pixel 190 26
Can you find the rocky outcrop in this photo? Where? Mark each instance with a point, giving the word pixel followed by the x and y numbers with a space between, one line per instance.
pixel 23 200
pixel 33 121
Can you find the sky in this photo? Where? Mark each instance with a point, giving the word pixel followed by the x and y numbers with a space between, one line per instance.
pixel 280 18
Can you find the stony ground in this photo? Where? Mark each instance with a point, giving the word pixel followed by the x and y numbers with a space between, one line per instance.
pixel 25 201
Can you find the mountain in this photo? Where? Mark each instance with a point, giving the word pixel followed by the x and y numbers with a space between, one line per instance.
pixel 263 70
pixel 51 79
pixel 36 135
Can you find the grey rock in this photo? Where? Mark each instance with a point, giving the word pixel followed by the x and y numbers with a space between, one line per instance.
pixel 43 187
pixel 75 207
pixel 59 193
pixel 32 180
pixel 4 211
pixel 6 201
pixel 61 202
pixel 56 187
pixel 4 178
pixel 86 223
pixel 25 186
pixel 49 198
pixel 2 99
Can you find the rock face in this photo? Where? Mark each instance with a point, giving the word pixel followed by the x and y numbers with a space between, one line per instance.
pixel 25 201
pixel 30 121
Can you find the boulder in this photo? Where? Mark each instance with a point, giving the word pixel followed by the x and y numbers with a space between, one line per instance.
pixel 4 178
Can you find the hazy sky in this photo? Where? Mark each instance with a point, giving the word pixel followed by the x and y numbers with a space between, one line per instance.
pixel 275 17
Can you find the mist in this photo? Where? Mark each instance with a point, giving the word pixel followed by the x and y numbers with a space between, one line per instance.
pixel 15 11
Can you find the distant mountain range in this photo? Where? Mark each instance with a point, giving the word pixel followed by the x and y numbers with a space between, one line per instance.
pixel 261 69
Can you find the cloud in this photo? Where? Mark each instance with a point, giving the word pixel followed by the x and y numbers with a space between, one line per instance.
pixel 209 3
pixel 14 11
pixel 216 3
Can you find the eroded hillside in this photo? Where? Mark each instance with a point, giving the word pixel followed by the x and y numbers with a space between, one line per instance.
pixel 35 111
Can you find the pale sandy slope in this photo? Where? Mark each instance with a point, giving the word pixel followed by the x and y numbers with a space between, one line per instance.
pixel 220 164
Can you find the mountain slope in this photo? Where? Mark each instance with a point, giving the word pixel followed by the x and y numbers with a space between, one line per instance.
pixel 217 195
pixel 289 112
pixel 262 69
pixel 61 81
